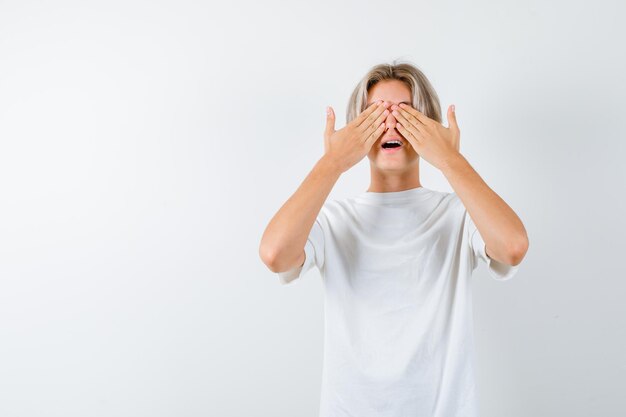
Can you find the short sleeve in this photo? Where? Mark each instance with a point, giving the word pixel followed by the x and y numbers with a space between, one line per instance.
pixel 313 252
pixel 478 250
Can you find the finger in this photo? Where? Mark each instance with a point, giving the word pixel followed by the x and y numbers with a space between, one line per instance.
pixel 411 124
pixel 372 128
pixel 372 113
pixel 363 115
pixel 372 121
pixel 380 119
pixel 408 118
pixel 410 136
pixel 373 137
pixel 405 108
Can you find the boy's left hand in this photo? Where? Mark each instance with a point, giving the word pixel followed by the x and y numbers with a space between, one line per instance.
pixel 430 139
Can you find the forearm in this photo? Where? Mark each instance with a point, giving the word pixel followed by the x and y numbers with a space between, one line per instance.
pixel 502 230
pixel 286 234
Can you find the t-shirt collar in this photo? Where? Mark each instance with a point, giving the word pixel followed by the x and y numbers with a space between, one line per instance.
pixel 395 196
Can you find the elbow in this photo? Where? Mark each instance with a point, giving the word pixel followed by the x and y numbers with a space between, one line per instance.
pixel 268 257
pixel 518 251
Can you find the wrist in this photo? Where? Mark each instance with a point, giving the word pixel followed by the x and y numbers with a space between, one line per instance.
pixel 453 163
pixel 330 165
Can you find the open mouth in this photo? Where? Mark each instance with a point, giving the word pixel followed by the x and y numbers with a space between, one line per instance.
pixel 391 146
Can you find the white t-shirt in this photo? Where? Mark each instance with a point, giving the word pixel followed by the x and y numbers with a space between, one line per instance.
pixel 396 270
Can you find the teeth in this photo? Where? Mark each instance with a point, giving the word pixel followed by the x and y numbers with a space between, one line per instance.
pixel 395 141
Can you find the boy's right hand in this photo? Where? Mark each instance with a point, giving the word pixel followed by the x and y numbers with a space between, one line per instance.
pixel 347 146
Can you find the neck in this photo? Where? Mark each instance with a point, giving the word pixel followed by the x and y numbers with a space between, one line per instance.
pixel 390 181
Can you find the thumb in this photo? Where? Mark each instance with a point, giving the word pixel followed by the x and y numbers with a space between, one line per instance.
pixel 330 122
pixel 452 118
pixel 454 127
pixel 330 127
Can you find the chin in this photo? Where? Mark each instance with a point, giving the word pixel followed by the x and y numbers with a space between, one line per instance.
pixel 388 164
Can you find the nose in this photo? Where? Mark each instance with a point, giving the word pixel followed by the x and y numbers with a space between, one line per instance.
pixel 390 122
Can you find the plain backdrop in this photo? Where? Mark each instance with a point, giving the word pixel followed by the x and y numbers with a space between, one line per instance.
pixel 145 145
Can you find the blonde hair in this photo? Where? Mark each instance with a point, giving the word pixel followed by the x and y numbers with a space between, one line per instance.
pixel 423 95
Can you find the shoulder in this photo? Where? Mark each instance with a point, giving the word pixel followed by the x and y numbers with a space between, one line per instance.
pixel 453 200
pixel 448 205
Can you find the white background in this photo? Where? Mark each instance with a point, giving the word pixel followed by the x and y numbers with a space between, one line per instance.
pixel 145 145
